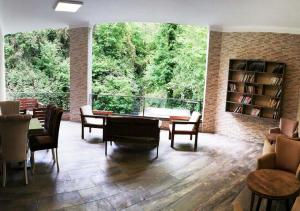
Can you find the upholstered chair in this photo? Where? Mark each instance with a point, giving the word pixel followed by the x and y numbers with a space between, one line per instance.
pixel 9 107
pixel 183 127
pixel 286 157
pixel 287 128
pixel 47 141
pixel 13 133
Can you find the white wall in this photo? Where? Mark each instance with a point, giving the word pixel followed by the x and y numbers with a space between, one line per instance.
pixel 2 67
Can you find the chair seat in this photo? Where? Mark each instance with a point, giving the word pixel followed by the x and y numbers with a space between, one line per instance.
pixel 41 142
pixel 182 128
pixel 94 121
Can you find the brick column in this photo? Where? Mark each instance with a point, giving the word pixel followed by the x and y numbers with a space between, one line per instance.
pixel 80 69
pixel 211 81
pixel 2 68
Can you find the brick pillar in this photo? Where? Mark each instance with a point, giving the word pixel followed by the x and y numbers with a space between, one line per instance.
pixel 80 69
pixel 2 68
pixel 211 81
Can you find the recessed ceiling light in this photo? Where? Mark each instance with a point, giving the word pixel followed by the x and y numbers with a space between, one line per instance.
pixel 67 6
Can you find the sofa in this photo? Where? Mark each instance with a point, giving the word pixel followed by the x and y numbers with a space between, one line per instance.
pixel 133 132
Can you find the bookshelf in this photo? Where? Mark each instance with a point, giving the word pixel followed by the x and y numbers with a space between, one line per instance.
pixel 255 88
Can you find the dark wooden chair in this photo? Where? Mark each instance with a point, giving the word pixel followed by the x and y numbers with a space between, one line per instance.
pixel 92 119
pixel 185 126
pixel 47 141
pixel 40 114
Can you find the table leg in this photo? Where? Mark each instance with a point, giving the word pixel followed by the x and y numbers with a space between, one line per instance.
pixel 269 204
pixel 287 206
pixel 258 204
pixel 252 201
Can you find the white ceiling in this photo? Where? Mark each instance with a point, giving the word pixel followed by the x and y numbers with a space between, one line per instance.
pixel 225 15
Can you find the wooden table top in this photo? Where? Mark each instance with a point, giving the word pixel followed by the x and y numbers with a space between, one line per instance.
pixel 273 184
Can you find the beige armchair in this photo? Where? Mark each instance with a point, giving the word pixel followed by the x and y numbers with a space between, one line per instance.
pixel 9 107
pixel 13 133
pixel 296 206
pixel 287 128
pixel 183 127
pixel 286 157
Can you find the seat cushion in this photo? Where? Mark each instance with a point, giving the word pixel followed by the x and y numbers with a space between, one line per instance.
pixel 94 121
pixel 41 142
pixel 182 127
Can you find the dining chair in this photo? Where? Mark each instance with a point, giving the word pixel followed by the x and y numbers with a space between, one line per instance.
pixel 13 133
pixel 47 141
pixel 9 107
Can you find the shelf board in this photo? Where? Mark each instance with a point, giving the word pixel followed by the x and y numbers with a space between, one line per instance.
pixel 245 93
pixel 253 105
pixel 247 71
pixel 260 117
pixel 254 84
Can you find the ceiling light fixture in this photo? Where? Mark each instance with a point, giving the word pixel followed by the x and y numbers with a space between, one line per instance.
pixel 67 6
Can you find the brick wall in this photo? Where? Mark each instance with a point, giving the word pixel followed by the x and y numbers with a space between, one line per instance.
pixel 80 69
pixel 211 82
pixel 267 46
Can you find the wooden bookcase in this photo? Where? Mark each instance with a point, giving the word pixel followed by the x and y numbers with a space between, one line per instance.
pixel 255 88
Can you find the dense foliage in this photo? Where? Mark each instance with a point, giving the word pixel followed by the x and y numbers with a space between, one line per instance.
pixel 153 60
pixel 129 59
pixel 37 65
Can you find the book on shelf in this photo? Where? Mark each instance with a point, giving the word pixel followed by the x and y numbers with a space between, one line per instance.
pixel 278 92
pixel 245 99
pixel 256 67
pixel 250 89
pixel 240 66
pixel 238 109
pixel 232 87
pixel 248 77
pixel 275 115
pixel 274 103
pixel 276 80
pixel 255 112
pixel 278 69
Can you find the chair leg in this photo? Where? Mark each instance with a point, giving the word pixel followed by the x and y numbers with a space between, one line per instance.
pixel 53 155
pixel 90 130
pixel 82 132
pixel 110 143
pixel 196 142
pixel 32 162
pixel 172 140
pixel 157 151
pixel 105 148
pixel 4 173
pixel 169 134
pixel 57 160
pixel 25 172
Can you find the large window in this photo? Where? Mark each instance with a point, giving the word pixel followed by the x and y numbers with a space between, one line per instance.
pixel 138 66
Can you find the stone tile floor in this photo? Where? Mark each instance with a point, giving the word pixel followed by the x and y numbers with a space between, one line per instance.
pixel 180 179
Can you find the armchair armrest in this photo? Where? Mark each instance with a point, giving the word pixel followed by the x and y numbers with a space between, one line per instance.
pixel 94 116
pixel 296 205
pixel 98 112
pixel 183 118
pixel 298 172
pixel 267 161
pixel 274 130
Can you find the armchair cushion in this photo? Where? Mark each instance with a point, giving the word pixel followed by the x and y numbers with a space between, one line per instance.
pixel 296 205
pixel 182 127
pixel 287 154
pixel 267 161
pixel 288 127
pixel 94 121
